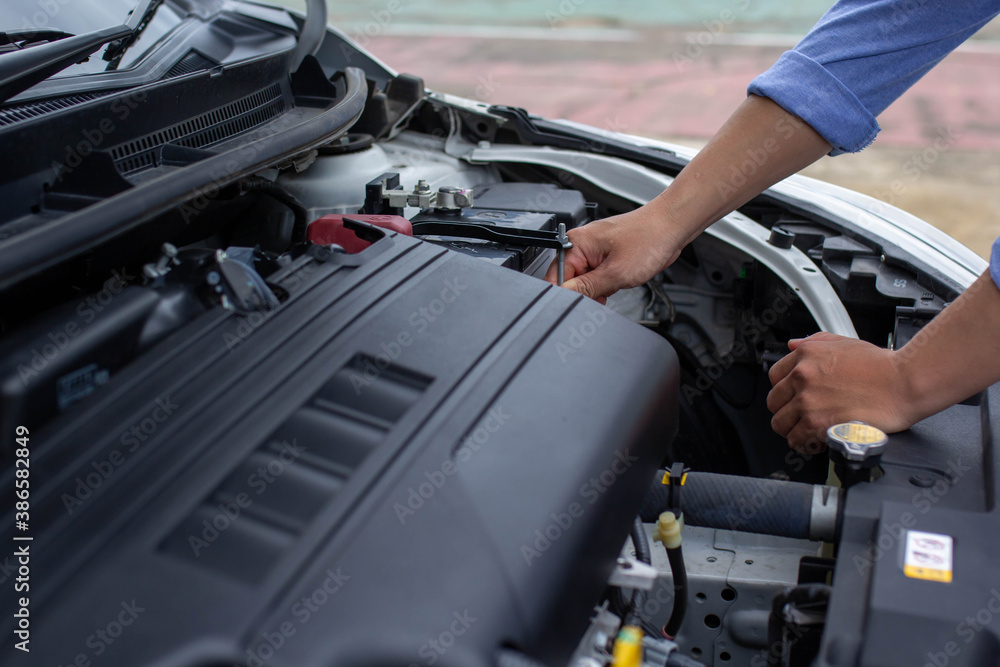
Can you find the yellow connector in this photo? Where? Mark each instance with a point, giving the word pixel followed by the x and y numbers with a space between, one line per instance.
pixel 668 530
pixel 628 648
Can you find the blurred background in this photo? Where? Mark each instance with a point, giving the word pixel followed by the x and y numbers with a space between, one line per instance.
pixel 676 70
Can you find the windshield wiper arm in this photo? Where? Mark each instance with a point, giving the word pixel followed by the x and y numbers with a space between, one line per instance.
pixel 116 50
pixel 15 40
pixel 22 69
pixel 19 37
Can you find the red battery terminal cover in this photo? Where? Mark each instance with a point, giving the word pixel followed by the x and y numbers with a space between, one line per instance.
pixel 330 229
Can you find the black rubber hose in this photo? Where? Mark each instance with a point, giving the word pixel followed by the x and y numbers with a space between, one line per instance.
pixel 256 184
pixel 730 502
pixel 679 570
pixel 620 607
pixel 643 553
pixel 641 542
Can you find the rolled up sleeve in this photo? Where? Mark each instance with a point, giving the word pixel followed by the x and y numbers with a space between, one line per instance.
pixel 860 57
pixel 995 263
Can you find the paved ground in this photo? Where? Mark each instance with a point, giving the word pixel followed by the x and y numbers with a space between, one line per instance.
pixel 676 70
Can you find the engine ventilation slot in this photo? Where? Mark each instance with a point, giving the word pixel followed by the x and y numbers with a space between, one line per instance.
pixel 192 62
pixel 247 523
pixel 21 112
pixel 202 131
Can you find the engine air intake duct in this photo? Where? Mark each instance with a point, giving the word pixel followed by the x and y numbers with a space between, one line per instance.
pixel 752 505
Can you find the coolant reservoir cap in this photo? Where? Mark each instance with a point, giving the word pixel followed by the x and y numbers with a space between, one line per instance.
pixel 856 441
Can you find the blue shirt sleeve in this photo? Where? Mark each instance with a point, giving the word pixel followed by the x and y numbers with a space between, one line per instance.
pixel 995 263
pixel 861 56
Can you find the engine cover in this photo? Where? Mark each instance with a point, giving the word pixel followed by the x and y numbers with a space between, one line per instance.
pixel 418 458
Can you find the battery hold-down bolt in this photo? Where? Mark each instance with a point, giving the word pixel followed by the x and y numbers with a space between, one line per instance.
pixel 561 253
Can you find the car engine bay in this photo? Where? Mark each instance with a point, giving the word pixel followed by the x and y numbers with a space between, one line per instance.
pixel 326 411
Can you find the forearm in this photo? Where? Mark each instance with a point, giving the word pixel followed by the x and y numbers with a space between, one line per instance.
pixel 758 146
pixel 956 355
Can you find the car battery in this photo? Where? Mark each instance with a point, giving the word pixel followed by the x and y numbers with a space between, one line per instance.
pixel 526 259
pixel 569 206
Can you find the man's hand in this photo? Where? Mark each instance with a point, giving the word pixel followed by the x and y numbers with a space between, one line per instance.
pixel 828 380
pixel 627 250
pixel 617 253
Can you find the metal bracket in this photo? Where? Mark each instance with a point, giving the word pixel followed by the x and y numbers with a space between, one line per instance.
pixel 421 197
pixel 631 573
pixel 448 198
pixel 506 235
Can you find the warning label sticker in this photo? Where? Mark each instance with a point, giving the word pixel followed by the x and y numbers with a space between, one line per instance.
pixel 928 556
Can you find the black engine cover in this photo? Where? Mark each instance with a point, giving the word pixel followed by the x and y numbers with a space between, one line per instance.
pixel 416 459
